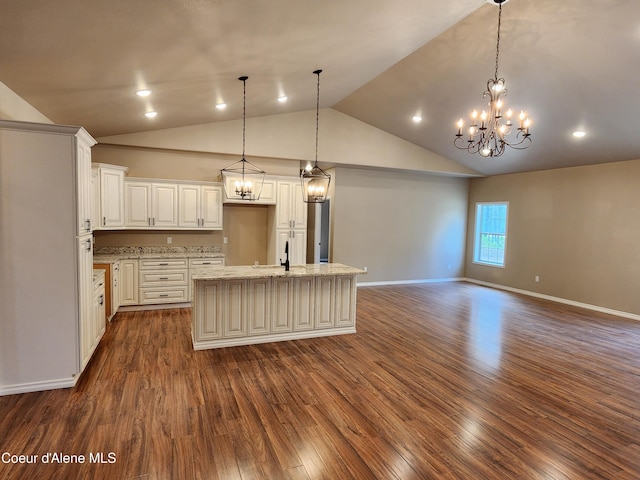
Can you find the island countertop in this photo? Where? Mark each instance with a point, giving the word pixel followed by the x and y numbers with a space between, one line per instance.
pixel 269 271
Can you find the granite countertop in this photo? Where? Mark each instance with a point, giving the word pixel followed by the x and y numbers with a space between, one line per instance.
pixel 267 271
pixel 113 254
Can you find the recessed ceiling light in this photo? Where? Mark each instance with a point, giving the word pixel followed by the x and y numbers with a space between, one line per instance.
pixel 151 114
pixel 143 93
pixel 282 98
pixel 221 106
pixel 416 118
pixel 579 133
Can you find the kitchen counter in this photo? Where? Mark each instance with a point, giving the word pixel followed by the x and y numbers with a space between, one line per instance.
pixel 271 271
pixel 263 303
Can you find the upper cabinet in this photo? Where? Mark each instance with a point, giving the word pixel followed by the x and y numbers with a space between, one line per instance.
pixel 200 206
pixel 108 183
pixel 291 211
pixel 150 204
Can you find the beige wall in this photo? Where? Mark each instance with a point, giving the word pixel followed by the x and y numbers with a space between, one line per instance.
pixel 577 228
pixel 402 226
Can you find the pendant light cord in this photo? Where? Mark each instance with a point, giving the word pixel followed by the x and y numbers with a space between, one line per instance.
pixel 317 72
pixel 244 111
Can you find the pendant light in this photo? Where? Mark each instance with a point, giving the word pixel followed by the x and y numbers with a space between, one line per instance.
pixel 315 181
pixel 242 180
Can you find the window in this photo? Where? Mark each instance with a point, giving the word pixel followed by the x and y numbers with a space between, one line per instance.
pixel 491 233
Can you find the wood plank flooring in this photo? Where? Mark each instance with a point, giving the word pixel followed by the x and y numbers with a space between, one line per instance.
pixel 442 381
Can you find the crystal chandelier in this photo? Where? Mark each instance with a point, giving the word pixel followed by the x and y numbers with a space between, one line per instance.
pixel 490 132
pixel 315 181
pixel 242 180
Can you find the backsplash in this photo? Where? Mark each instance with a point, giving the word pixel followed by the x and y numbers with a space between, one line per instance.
pixel 147 250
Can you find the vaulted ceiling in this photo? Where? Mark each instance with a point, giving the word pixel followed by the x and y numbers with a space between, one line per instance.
pixel 570 64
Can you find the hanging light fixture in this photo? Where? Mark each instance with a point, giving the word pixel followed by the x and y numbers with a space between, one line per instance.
pixel 489 132
pixel 242 180
pixel 315 181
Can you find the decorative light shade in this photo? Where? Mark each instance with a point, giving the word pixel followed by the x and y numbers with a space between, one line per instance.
pixel 315 181
pixel 490 132
pixel 242 180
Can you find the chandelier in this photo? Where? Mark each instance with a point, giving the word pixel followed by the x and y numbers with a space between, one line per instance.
pixel 242 180
pixel 315 181
pixel 492 131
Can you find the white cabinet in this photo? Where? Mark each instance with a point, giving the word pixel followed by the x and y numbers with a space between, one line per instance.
pixel 291 211
pixel 109 196
pixel 128 282
pixel 243 309
pixel 85 291
pixel 200 206
pixel 83 173
pixel 163 280
pixel 97 323
pixel 258 300
pixel 115 287
pixel 202 266
pixel 150 204
pixel 291 222
pixel 45 184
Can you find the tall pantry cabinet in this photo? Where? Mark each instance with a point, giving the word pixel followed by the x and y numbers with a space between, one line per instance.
pixel 46 263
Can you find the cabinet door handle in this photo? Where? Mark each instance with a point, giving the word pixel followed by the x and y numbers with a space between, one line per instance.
pixel 206 263
pixel 104 221
pixel 164 294
pixel 149 221
pixel 154 221
pixel 163 264
pixel 87 245
pixel 87 227
pixel 101 299
pixel 164 278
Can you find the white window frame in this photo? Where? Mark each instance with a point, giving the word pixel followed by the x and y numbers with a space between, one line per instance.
pixel 478 233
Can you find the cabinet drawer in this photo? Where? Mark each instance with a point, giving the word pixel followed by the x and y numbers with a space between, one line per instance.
pixel 163 295
pixel 149 278
pixel 163 263
pixel 205 262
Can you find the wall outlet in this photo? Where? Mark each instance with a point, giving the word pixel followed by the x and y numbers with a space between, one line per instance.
pixel 225 239
pixel 365 268
pixel 169 240
pixel 256 262
pixel 537 278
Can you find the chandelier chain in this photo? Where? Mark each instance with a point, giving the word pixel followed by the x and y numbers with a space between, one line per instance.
pixel 498 40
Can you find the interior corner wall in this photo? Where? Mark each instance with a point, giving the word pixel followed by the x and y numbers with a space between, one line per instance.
pixel 401 226
pixel 576 228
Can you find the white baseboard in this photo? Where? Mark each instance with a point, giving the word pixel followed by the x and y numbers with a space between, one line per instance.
pixel 588 306
pixel 409 282
pixel 38 386
pixel 165 306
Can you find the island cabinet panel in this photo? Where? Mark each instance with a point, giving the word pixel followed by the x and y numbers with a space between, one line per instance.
pixel 234 318
pixel 210 311
pixel 325 302
pixel 258 305
pixel 282 312
pixel 304 304
pixel 345 304
pixel 247 305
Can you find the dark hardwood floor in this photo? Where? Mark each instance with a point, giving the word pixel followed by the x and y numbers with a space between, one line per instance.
pixel 441 381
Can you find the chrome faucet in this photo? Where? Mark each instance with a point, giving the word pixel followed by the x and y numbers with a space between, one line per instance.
pixel 285 264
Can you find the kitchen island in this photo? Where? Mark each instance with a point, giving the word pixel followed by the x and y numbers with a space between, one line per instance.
pixel 245 305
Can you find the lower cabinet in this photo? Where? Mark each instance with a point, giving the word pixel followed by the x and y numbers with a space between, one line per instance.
pixel 163 281
pixel 245 311
pixel 128 282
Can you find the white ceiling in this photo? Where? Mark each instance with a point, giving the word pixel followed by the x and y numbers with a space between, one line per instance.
pixel 570 64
